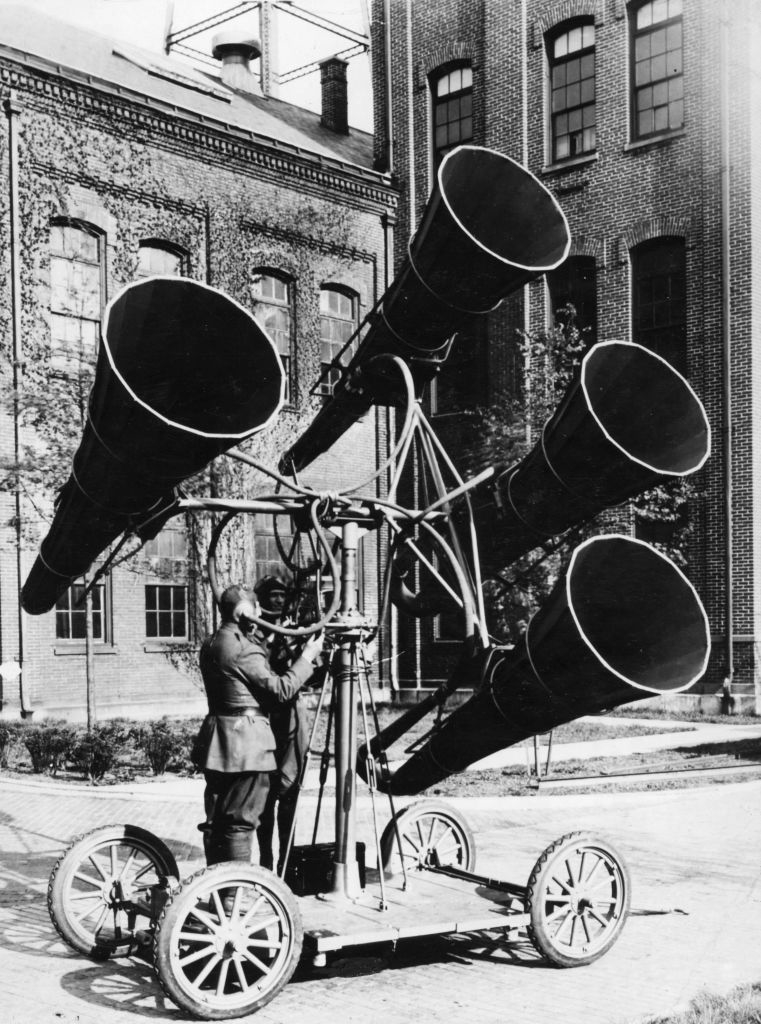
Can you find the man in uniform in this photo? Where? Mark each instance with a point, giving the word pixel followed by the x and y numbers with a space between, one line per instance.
pixel 236 746
pixel 289 725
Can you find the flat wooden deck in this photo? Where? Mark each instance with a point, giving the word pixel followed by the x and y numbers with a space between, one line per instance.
pixel 432 905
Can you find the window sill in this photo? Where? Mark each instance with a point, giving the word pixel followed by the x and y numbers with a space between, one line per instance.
pixel 570 165
pixel 78 647
pixel 654 140
pixel 160 646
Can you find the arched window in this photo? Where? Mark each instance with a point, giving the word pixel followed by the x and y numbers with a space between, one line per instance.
pixel 160 258
pixel 338 321
pixel 273 308
pixel 572 91
pixel 657 81
pixel 452 92
pixel 575 283
pixel 659 309
pixel 76 294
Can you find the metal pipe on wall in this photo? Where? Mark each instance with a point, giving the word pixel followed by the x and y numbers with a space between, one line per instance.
pixel 726 324
pixel 13 110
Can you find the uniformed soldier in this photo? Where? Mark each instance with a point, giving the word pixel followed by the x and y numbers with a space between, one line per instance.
pixel 235 746
pixel 290 727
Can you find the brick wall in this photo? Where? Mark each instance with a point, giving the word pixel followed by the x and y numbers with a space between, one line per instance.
pixel 622 194
pixel 232 206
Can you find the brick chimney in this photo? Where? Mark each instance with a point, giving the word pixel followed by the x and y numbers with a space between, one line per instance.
pixel 236 49
pixel 335 105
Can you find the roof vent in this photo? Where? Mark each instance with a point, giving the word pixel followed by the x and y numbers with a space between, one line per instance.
pixel 235 49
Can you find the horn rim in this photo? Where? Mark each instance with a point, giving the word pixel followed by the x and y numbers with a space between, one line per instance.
pixel 619 675
pixel 240 436
pixel 532 268
pixel 617 444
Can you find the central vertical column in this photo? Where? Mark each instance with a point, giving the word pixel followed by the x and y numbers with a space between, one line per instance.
pixel 345 869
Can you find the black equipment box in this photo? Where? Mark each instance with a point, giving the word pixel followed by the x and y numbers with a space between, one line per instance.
pixel 310 868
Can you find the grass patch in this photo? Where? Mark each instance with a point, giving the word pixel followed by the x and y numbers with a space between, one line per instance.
pixel 741 1006
pixel 697 716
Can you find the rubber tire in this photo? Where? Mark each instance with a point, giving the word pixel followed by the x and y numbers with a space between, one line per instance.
pixel 540 937
pixel 81 848
pixel 176 910
pixel 420 810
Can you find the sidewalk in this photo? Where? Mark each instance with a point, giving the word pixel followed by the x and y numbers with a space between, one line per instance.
pixel 695 922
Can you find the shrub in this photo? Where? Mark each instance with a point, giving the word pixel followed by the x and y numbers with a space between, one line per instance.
pixel 8 737
pixel 95 753
pixel 161 742
pixel 49 746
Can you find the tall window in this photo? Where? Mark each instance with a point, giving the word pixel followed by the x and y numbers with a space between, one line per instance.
pixel 659 312
pixel 166 613
pixel 338 321
pixel 156 258
pixel 273 308
pixel 452 111
pixel 70 613
pixel 575 283
pixel 76 296
pixel 657 81
pixel 572 92
pixel 166 602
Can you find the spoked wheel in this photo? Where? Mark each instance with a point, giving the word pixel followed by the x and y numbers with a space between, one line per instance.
pixel 99 892
pixel 430 832
pixel 227 941
pixel 578 898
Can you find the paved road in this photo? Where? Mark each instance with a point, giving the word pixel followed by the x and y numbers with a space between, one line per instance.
pixel 694 855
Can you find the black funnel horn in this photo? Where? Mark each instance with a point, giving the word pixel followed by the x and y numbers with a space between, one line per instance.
pixel 627 420
pixel 622 624
pixel 183 373
pixel 489 227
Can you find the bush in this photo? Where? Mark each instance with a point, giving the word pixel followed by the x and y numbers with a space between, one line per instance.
pixel 49 746
pixel 95 753
pixel 161 742
pixel 8 736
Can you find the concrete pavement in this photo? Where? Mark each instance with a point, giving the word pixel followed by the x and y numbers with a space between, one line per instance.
pixel 696 914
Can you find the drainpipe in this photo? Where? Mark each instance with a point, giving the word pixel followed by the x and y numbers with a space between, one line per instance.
pixel 726 323
pixel 411 124
pixel 389 87
pixel 13 110
pixel 389 220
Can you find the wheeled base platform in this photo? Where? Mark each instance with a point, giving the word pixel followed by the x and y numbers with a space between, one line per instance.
pixel 432 904
pixel 227 939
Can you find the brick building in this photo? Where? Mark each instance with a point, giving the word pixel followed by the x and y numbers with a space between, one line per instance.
pixel 643 118
pixel 117 163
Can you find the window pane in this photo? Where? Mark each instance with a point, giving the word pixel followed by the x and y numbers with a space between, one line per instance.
pixel 561 45
pixel 155 260
pixel 467 78
pixel 337 324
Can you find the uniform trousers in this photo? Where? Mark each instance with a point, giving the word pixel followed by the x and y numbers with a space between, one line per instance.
pixel 233 802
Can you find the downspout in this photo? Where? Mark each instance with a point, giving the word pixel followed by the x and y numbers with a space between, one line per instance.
pixel 524 160
pixel 13 110
pixel 389 87
pixel 726 323
pixel 389 220
pixel 412 225
pixel 388 231
pixel 411 124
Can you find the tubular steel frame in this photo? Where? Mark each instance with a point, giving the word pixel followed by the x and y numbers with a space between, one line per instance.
pixel 348 515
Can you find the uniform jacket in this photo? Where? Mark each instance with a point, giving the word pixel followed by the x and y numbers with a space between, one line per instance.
pixel 241 687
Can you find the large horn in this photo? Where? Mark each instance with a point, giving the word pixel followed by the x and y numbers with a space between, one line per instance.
pixel 627 420
pixel 183 373
pixel 624 623
pixel 489 227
